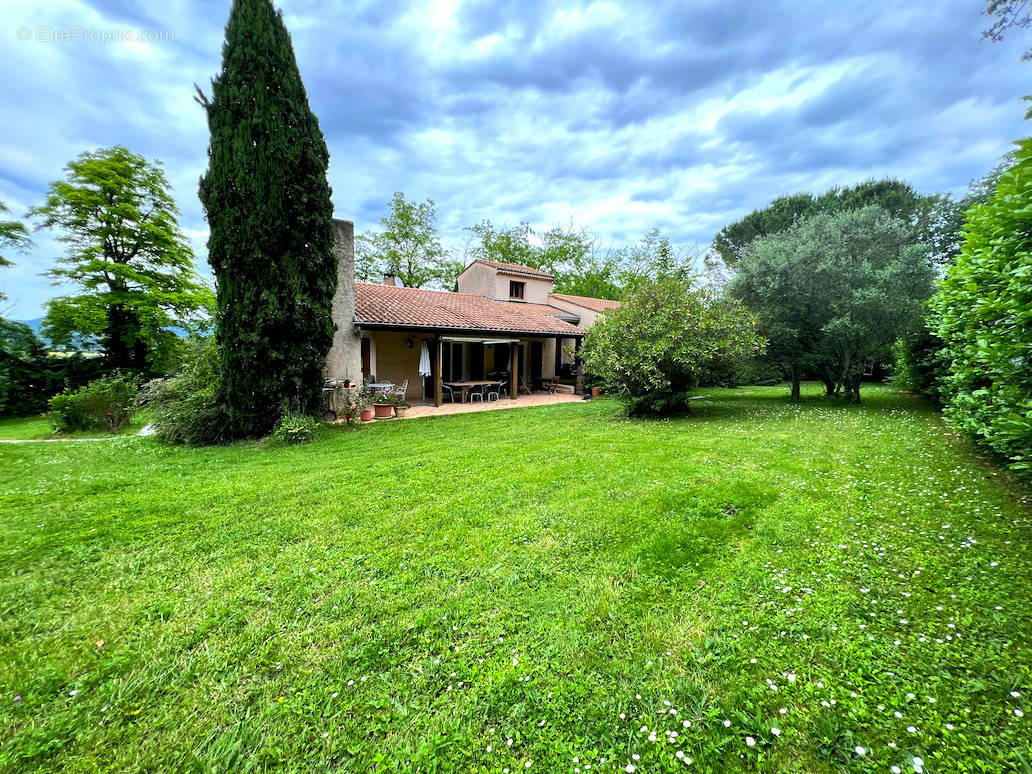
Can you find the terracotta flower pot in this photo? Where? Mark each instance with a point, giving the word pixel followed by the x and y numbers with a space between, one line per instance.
pixel 383 410
pixel 595 392
pixel 367 415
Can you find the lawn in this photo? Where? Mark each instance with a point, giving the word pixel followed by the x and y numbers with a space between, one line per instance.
pixel 39 427
pixel 760 586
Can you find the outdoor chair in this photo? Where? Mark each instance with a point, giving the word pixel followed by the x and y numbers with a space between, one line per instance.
pixel 493 391
pixel 476 393
pixel 400 391
pixel 447 392
pixel 523 388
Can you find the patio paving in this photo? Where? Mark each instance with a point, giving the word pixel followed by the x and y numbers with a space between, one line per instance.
pixel 524 401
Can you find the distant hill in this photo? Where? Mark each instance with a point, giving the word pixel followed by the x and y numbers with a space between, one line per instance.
pixel 36 323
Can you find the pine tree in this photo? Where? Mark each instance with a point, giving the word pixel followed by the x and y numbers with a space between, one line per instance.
pixel 268 205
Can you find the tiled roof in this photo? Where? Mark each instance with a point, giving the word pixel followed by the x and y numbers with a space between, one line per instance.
pixel 417 308
pixel 513 268
pixel 594 304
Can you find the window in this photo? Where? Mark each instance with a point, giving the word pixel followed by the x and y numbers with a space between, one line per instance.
pixel 516 289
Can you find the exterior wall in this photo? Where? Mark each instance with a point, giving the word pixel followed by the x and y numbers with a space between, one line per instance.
pixel 548 367
pixel 480 280
pixel 344 360
pixel 395 362
pixel 484 280
pixel 535 290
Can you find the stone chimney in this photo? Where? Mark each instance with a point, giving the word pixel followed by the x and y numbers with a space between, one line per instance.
pixel 344 360
pixel 390 279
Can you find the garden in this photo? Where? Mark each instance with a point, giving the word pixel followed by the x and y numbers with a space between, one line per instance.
pixel 762 585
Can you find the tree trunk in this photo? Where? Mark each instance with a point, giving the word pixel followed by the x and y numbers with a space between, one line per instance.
pixel 855 396
pixel 123 344
pixel 795 383
pixel 830 386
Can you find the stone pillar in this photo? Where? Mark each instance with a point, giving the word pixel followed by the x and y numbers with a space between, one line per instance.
pixel 578 387
pixel 344 360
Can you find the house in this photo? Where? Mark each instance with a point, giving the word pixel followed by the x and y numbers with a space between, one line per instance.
pixel 504 322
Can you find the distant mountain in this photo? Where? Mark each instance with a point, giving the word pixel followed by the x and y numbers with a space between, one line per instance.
pixel 36 323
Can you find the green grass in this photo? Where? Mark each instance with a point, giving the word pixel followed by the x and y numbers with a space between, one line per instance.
pixel 39 428
pixel 413 595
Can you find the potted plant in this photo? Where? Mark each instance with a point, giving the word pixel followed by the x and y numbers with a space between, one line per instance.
pixel 400 406
pixel 351 404
pixel 383 406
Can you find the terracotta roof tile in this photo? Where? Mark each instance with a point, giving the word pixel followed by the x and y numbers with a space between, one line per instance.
pixel 514 268
pixel 417 308
pixel 594 304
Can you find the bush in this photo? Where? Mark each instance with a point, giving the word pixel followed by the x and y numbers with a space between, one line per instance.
pixel 30 376
pixel 918 366
pixel 296 428
pixel 666 337
pixel 103 404
pixel 186 406
pixel 983 314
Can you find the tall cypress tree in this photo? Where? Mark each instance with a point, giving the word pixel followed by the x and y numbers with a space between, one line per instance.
pixel 268 206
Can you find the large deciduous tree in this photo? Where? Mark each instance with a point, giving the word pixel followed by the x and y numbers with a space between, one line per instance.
pixel 983 315
pixel 13 236
pixel 407 246
pixel 667 335
pixel 126 255
pixel 268 204
pixel 1008 15
pixel 834 291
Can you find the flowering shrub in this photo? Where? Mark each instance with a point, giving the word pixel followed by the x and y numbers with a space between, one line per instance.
pixel 103 404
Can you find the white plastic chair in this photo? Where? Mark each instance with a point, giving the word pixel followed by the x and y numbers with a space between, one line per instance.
pixel 400 391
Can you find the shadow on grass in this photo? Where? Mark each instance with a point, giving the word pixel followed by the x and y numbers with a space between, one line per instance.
pixel 731 403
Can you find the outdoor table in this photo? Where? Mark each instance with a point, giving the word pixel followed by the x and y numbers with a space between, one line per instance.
pixel 381 387
pixel 461 386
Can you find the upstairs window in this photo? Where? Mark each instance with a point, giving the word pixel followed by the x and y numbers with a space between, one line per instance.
pixel 516 290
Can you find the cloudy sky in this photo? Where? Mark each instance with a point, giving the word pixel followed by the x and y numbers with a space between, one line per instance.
pixel 621 115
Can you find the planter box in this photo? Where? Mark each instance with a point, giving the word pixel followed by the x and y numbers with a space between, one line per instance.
pixel 383 410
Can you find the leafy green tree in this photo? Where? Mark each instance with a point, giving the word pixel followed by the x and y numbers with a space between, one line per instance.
pixel 507 245
pixel 1008 14
pixel 126 255
pixel 983 314
pixel 834 291
pixel 268 204
pixel 407 246
pixel 931 219
pixel 667 335
pixel 13 236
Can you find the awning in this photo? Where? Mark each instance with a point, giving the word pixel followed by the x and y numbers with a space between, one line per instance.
pixel 479 340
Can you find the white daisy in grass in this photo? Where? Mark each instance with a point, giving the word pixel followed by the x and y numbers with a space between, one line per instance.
pixel 750 741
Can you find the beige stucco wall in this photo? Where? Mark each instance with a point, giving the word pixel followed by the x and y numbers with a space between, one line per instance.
pixel 535 290
pixel 478 279
pixel 344 360
pixel 395 362
pixel 487 281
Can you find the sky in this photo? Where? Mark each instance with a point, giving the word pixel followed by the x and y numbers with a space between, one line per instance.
pixel 622 116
